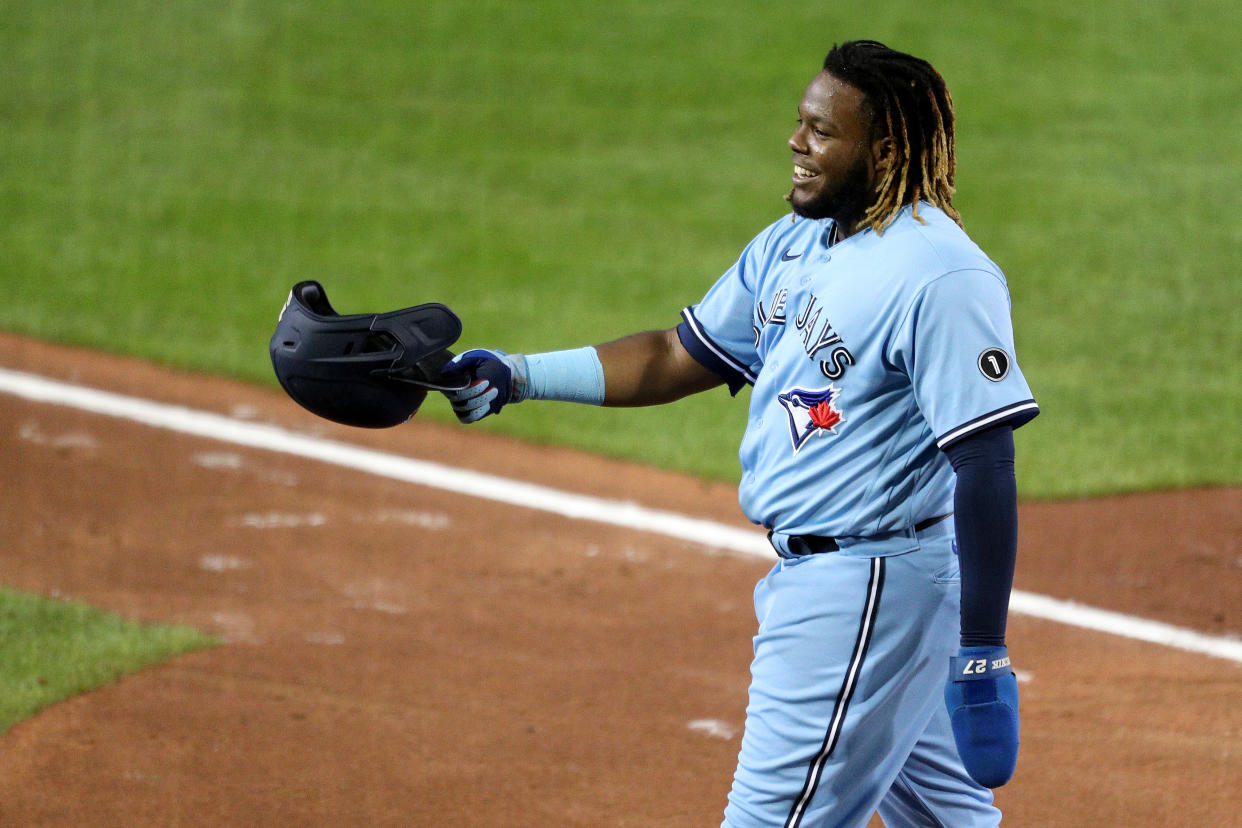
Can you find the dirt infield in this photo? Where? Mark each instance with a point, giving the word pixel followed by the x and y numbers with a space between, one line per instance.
pixel 398 655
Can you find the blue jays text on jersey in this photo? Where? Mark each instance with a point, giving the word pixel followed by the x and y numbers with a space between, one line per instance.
pixel 867 357
pixel 834 362
pixel 815 337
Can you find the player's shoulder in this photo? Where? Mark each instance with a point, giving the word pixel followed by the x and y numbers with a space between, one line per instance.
pixel 933 245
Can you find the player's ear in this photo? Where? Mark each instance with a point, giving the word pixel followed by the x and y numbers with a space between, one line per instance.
pixel 883 152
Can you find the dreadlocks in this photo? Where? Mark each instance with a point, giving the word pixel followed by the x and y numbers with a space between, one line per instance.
pixel 910 103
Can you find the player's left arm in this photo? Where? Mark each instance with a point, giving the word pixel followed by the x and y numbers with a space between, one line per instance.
pixel 957 346
pixel 982 691
pixel 985 512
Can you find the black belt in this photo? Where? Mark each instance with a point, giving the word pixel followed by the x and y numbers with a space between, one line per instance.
pixel 800 545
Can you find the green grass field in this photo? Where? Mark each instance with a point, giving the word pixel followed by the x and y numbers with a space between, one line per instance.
pixel 55 649
pixel 562 173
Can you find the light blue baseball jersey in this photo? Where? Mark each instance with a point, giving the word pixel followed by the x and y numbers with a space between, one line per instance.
pixel 868 357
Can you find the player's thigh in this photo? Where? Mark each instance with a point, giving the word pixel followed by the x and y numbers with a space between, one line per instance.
pixel 933 789
pixel 832 713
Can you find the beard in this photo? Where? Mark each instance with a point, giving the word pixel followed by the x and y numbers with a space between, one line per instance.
pixel 843 203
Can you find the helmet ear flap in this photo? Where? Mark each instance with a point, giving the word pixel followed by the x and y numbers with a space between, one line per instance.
pixel 421 330
pixel 365 370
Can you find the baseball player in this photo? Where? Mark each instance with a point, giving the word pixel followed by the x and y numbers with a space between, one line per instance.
pixel 878 453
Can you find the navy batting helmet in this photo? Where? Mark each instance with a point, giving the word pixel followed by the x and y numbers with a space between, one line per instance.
pixel 367 369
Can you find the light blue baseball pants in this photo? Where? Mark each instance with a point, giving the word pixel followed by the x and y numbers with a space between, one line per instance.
pixel 846 713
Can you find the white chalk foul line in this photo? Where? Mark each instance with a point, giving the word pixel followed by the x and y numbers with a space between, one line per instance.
pixel 542 498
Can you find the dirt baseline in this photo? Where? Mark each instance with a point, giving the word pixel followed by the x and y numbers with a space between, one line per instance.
pixel 398 655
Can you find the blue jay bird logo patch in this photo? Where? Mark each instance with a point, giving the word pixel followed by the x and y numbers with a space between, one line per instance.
pixel 811 413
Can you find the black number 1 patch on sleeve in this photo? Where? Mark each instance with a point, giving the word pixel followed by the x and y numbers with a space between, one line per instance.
pixel 994 364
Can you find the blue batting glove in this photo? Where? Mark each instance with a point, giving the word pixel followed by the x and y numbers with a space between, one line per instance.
pixel 982 698
pixel 495 379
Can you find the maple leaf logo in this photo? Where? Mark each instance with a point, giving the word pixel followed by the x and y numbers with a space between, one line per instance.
pixel 823 415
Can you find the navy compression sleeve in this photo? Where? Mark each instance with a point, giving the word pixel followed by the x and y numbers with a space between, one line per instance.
pixel 985 512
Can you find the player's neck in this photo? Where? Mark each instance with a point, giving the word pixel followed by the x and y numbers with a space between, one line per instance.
pixel 838 233
pixel 843 228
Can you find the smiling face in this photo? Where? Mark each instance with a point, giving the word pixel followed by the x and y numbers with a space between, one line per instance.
pixel 834 153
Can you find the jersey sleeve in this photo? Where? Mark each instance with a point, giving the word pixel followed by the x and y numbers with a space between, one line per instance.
pixel 719 331
pixel 956 345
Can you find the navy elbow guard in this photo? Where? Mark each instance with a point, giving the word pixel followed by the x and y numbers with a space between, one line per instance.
pixel 982 699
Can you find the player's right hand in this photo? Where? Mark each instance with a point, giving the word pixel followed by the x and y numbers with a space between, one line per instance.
pixel 494 379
